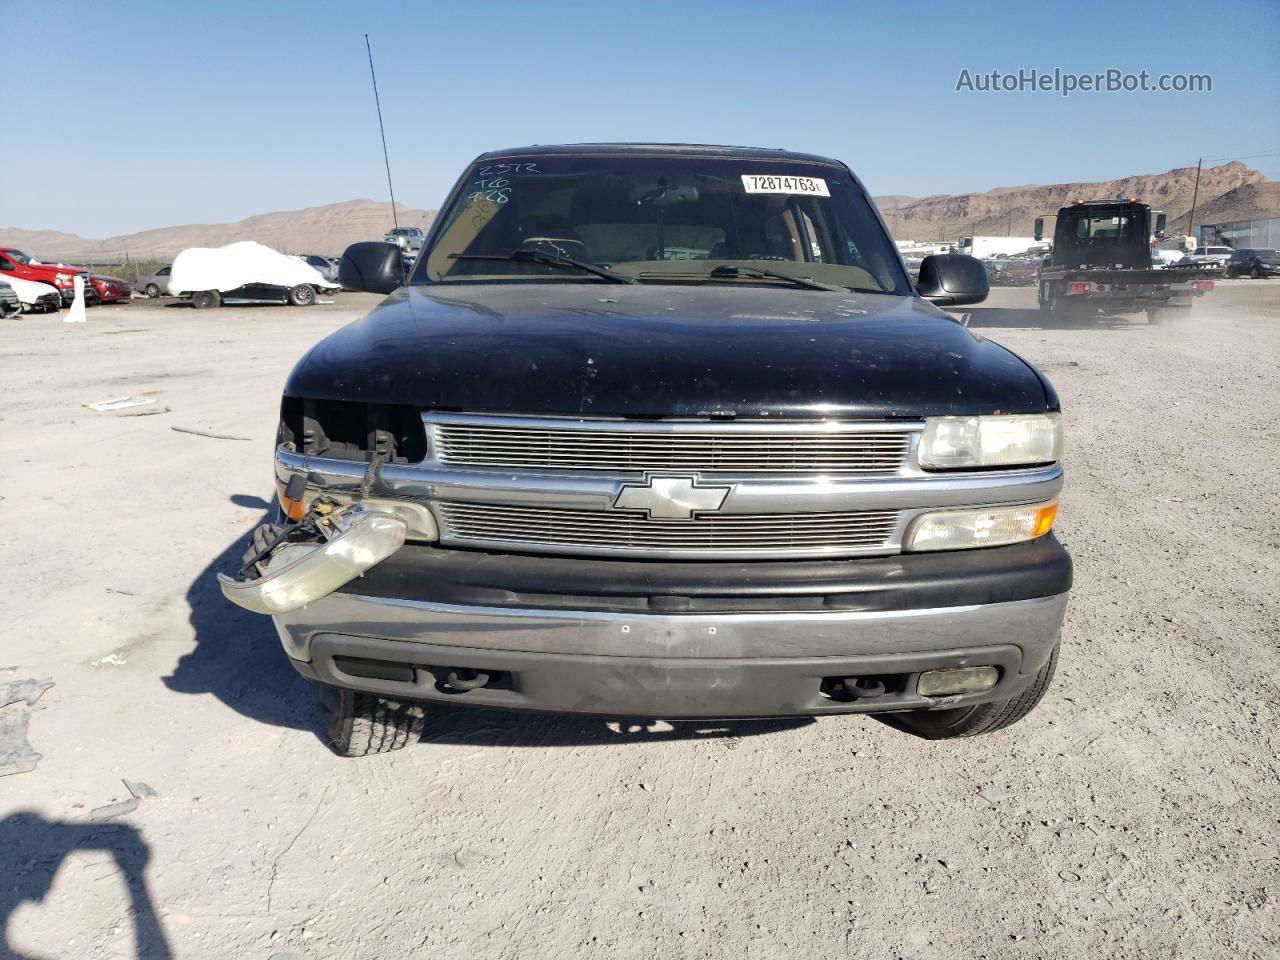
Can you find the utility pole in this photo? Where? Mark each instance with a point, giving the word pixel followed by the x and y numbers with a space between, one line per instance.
pixel 1195 195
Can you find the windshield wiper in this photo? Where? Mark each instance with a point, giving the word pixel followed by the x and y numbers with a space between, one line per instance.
pixel 809 284
pixel 727 270
pixel 551 260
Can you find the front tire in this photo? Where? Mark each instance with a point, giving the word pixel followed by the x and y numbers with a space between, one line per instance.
pixel 303 295
pixel 152 291
pixel 206 299
pixel 363 724
pixel 982 718
pixel 1256 272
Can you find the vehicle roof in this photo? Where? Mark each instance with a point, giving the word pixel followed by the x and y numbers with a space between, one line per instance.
pixel 657 150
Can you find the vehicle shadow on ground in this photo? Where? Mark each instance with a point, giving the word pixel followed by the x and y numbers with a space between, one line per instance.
pixel 35 849
pixel 237 656
pixel 1005 318
pixel 477 727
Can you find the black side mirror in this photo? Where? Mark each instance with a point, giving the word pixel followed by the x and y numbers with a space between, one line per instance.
pixel 1039 228
pixel 1161 222
pixel 372 267
pixel 952 280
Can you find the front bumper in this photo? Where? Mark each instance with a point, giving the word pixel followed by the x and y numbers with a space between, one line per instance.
pixel 909 615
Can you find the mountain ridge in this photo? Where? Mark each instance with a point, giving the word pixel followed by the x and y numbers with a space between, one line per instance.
pixel 1230 191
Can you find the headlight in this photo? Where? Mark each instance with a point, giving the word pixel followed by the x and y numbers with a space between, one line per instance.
pixel 951 443
pixel 300 574
pixel 62 278
pixel 985 527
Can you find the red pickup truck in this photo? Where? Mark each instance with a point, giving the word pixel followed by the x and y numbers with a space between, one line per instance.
pixel 15 263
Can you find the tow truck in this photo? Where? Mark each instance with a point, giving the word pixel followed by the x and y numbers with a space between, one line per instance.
pixel 1102 263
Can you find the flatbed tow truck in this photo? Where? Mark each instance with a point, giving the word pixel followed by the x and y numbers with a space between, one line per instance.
pixel 1102 263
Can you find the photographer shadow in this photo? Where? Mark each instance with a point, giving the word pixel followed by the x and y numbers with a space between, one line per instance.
pixel 36 848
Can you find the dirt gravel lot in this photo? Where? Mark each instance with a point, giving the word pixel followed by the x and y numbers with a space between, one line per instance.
pixel 1136 813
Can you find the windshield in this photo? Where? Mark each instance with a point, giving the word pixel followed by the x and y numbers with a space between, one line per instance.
pixel 1105 223
pixel 662 220
pixel 18 255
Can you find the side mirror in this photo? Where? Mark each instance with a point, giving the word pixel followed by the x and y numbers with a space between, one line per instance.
pixel 372 267
pixel 1039 228
pixel 1161 221
pixel 952 280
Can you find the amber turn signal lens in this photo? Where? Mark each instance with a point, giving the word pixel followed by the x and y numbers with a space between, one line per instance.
pixel 1044 519
pixel 293 509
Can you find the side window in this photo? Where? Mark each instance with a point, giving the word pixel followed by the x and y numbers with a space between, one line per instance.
pixel 163 272
pixel 5 264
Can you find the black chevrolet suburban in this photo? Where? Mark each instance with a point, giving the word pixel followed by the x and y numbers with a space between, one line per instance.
pixel 664 431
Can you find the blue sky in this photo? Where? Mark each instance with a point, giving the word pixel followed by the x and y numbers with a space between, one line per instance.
pixel 153 114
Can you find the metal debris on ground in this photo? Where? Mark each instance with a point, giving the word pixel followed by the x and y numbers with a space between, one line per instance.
pixel 119 403
pixel 16 698
pixel 139 789
pixel 112 810
pixel 209 434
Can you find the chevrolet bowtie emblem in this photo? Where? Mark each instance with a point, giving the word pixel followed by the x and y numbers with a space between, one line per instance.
pixel 670 498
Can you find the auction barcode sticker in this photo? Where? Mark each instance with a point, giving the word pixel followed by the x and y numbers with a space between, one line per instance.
pixel 778 183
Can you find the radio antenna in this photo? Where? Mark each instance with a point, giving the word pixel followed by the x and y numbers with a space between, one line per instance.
pixel 383 130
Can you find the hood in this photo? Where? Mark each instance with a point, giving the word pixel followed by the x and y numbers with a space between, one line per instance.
pixel 665 351
pixel 29 290
pixel 52 268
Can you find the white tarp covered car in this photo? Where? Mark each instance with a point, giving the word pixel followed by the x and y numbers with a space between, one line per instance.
pixel 35 296
pixel 244 272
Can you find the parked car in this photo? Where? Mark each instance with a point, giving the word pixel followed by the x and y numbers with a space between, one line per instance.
pixel 110 289
pixel 244 272
pixel 1207 258
pixel 750 484
pixel 9 302
pixel 1254 263
pixel 34 296
pixel 15 263
pixel 408 239
pixel 1012 273
pixel 154 284
pixel 327 267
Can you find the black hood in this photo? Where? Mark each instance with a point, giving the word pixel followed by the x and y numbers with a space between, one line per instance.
pixel 665 351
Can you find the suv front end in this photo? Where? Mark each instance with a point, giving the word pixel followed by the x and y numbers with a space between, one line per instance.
pixel 640 493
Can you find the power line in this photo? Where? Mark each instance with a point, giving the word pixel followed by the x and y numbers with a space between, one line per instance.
pixel 1252 156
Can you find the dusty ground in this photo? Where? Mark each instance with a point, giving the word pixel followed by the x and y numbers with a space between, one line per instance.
pixel 1134 814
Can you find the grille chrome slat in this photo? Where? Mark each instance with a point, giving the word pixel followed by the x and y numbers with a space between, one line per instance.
pixel 623 447
pixel 623 531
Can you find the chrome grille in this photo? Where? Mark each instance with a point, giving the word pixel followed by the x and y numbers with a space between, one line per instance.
pixel 614 531
pixel 623 447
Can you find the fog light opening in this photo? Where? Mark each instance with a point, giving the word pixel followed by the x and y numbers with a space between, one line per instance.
pixel 948 683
